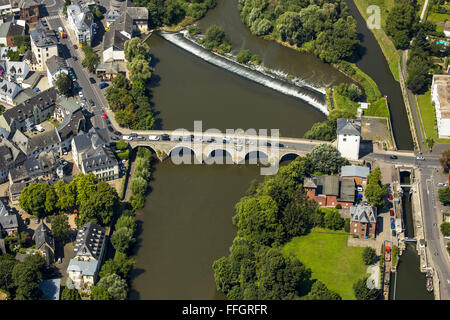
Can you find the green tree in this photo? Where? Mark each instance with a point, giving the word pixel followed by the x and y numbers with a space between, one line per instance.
pixel 444 196
pixel 13 55
pixel 134 47
pixel 216 39
pixel 32 199
pixel 363 293
pixel 400 24
pixel 26 280
pixel 126 222
pixel 22 43
pixel 122 239
pixel 64 84
pixel 7 263
pixel 66 195
pixel 60 227
pixel 138 185
pixel 91 58
pixel 445 229
pixel 326 159
pixel 375 192
pixel 244 56
pixel 140 69
pixel 70 294
pixel 368 255
pixel 319 291
pixel 99 293
pixel 445 160
pixel 333 220
pixel 115 286
pixel 50 200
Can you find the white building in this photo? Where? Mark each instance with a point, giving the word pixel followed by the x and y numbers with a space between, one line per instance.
pixel 15 71
pixel 440 95
pixel 447 29
pixel 87 255
pixel 8 91
pixel 82 23
pixel 349 138
pixel 44 45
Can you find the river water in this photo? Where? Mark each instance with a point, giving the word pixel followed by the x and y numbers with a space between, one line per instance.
pixel 186 223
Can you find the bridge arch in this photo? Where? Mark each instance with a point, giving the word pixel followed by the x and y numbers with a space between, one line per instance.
pixel 183 155
pixel 217 156
pixel 289 156
pixel 255 157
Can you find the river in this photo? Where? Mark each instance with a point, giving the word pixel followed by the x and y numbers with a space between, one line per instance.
pixel 186 223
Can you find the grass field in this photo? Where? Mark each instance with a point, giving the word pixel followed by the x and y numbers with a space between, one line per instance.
pixel 428 115
pixel 330 259
pixel 344 103
pixel 378 109
pixel 392 55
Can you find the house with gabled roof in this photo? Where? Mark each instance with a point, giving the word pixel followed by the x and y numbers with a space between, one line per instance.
pixel 88 254
pixel 363 221
pixel 357 173
pixel 8 91
pixel 349 138
pixel 329 191
pixel 81 20
pixel 45 243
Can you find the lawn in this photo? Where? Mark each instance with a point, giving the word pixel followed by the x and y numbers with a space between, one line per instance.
pixel 428 115
pixel 378 109
pixel 344 103
pixel 330 259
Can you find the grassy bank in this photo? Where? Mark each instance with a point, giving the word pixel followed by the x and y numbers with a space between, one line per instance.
pixel 428 115
pixel 330 259
pixel 390 52
pixel 378 109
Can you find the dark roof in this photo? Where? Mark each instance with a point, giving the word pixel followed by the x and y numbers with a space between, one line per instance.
pixel 33 168
pixel 71 125
pixel 138 13
pixel 43 100
pixel 9 221
pixel 10 155
pixel 349 127
pixel 15 30
pixel 54 63
pixel 90 240
pixel 343 189
pixel 36 142
pixel 42 235
pixel 42 36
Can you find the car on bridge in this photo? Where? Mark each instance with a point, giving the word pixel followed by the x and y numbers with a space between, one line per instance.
pixel 393 156
pixel 153 138
pixel 133 135
pixel 127 138
pixel 117 133
pixel 420 158
pixel 165 137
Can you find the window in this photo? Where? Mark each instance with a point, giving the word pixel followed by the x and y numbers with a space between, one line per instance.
pixel 345 139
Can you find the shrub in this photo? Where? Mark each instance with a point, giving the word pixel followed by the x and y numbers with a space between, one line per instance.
pixel 368 255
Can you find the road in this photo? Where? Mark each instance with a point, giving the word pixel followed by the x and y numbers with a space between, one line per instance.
pixel 432 220
pixel 424 9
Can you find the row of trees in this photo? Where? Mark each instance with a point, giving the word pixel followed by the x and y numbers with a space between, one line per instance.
pixel 327 27
pixel 20 280
pixel 91 58
pixel 375 191
pixel 142 175
pixel 402 22
pixel 130 101
pixel 170 12
pixel 97 200
pixel 245 56
pixel 273 212
pixel 326 130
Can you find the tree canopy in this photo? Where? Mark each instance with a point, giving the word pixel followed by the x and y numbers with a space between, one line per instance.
pixel 64 84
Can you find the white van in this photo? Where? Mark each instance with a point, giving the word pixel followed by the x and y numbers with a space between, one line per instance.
pixel 153 138
pixel 127 138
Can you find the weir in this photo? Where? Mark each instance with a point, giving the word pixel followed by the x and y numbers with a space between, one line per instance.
pixel 312 96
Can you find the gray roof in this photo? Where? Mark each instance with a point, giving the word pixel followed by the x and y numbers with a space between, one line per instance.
pixel 4 52
pixel 9 88
pixel 364 214
pixel 10 155
pixel 355 171
pixel 9 222
pixel 16 188
pixel 3 210
pixel 138 13
pixel 55 63
pixel 87 268
pixel 42 100
pixel 71 125
pixel 90 241
pixel 50 289
pixel 343 189
pixel 15 30
pixel 43 37
pixel 33 168
pixel 36 142
pixel 349 127
pixel 42 235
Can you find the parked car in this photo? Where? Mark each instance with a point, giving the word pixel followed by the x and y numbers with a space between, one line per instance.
pixel 165 136
pixel 80 93
pixel 104 116
pixel 27 221
pixel 391 212
pixel 91 102
pixel 118 133
pixel 359 189
pixel 64 151
pixel 390 197
pixel 393 233
pixel 102 85
pixel 75 46
pixel 108 121
pixel 37 221
pixel 114 138
pixel 92 80
pixel 127 138
pixel 420 158
pixel 133 135
pixel 74 58
pixel 440 184
pixel 153 138
pixel 279 145
pixel 394 157
pixel 392 223
pixel 140 138
pixel 110 129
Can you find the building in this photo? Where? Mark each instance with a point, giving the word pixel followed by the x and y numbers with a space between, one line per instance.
pixel 45 243
pixel 71 125
pixel 10 28
pixel 329 191
pixel 356 173
pixel 55 66
pixel 14 71
pixel 447 29
pixel 107 70
pixel 29 113
pixel 91 155
pixel 33 146
pixel 349 138
pixel 9 225
pixel 363 221
pixel 8 91
pixel 440 96
pixel 82 22
pixel 4 52
pixel 28 10
pixel 87 255
pixel 124 24
pixel 44 44
pixel 10 157
pixel 5 7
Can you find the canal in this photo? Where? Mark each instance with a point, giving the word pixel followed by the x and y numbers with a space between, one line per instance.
pixel 186 223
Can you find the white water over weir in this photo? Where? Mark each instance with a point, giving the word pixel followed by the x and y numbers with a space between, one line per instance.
pixel 310 95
